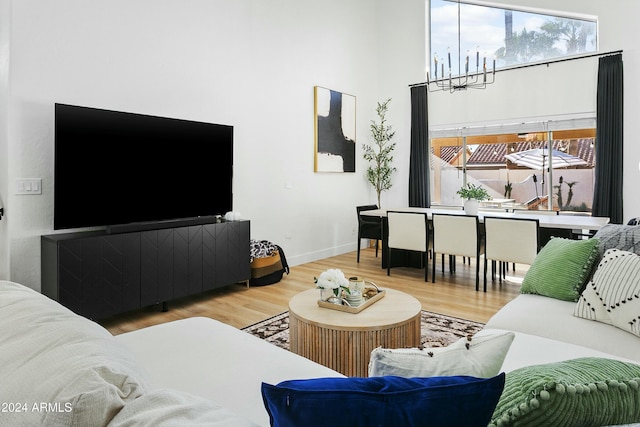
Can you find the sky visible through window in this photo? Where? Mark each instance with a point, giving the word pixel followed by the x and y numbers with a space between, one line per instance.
pixel 510 37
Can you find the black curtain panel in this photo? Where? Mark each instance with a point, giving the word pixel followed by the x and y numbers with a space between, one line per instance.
pixel 419 188
pixel 607 191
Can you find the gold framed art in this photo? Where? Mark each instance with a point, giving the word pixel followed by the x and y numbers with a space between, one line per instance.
pixel 335 131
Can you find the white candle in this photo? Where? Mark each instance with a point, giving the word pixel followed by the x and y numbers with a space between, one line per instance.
pixel 466 65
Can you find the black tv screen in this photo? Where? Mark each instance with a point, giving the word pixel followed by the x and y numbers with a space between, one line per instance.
pixel 114 168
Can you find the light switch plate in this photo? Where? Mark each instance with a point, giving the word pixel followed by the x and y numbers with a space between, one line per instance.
pixel 29 186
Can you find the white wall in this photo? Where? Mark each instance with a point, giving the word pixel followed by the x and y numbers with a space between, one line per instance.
pixel 5 13
pixel 253 64
pixel 249 63
pixel 401 58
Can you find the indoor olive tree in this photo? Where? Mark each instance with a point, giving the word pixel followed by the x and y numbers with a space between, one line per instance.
pixel 379 154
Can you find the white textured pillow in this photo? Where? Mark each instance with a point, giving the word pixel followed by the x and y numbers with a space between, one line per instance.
pixel 613 294
pixel 53 357
pixel 478 356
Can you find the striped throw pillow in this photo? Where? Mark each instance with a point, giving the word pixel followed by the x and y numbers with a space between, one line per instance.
pixel 613 295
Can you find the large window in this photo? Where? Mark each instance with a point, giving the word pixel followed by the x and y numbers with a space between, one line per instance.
pixel 510 37
pixel 534 168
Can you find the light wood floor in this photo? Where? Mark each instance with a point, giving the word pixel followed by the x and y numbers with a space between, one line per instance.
pixel 238 306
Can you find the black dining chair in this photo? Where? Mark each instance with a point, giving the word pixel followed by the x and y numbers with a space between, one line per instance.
pixel 369 227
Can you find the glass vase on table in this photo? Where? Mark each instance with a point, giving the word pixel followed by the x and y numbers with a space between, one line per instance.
pixel 331 295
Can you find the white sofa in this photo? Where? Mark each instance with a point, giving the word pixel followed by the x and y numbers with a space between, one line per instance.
pixel 545 319
pixel 547 330
pixel 60 369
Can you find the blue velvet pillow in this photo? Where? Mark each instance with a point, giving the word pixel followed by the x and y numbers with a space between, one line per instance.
pixel 383 401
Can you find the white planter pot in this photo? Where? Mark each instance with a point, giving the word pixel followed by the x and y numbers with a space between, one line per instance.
pixel 471 206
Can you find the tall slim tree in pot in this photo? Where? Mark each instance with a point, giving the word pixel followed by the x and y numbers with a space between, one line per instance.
pixel 379 154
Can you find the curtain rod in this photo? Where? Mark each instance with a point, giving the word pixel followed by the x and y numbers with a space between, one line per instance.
pixel 534 64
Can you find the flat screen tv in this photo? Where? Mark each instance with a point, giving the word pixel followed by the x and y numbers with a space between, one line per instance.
pixel 116 168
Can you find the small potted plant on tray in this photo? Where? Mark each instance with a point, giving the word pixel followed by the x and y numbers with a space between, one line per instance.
pixel 472 195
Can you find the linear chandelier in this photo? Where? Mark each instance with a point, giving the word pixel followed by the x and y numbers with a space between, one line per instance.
pixel 477 80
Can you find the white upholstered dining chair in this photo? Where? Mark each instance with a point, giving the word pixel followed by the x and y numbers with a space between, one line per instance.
pixel 510 240
pixel 456 235
pixel 408 231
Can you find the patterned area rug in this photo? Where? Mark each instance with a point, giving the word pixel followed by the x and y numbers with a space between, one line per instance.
pixel 438 330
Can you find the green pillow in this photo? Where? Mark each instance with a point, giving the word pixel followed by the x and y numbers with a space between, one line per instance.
pixel 581 392
pixel 561 268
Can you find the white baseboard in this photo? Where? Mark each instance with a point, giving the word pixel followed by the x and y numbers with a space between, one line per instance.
pixel 324 253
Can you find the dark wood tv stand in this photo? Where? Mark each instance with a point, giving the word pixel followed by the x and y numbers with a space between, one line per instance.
pixel 99 275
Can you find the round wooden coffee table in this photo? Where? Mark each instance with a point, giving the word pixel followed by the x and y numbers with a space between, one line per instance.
pixel 343 341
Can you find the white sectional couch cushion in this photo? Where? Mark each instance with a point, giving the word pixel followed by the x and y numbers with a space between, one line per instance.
pixel 553 318
pixel 612 296
pixel 527 349
pixel 218 362
pixel 171 408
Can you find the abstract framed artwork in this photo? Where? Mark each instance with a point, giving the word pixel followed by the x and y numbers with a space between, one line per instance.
pixel 335 131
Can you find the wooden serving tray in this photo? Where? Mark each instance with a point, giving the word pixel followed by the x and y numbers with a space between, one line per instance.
pixel 353 310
